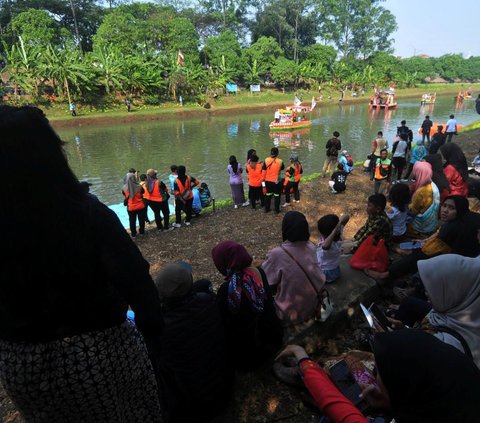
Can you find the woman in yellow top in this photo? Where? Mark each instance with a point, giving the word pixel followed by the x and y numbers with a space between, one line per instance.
pixel 425 201
pixel 447 239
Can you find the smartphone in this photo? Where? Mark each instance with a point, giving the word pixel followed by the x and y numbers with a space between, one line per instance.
pixel 345 382
pixel 380 317
pixel 410 245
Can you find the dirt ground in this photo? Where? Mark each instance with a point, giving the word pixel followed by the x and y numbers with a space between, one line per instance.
pixel 259 397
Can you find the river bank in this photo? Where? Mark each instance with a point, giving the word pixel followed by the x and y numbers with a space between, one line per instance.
pixel 267 99
pixel 259 397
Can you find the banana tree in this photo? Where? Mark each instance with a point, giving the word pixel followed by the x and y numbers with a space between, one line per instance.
pixel 107 62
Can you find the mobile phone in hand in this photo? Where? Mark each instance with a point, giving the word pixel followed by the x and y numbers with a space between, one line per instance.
pixel 381 319
pixel 345 382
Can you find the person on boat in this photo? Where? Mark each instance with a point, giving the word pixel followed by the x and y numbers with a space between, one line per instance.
pixel 293 174
pixel 183 196
pixel 136 208
pixel 156 194
pixel 451 128
pixel 272 166
pixel 426 127
pixel 332 147
pixel 277 116
pixel 455 169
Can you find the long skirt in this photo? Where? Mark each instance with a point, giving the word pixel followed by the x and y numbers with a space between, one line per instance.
pixel 238 195
pixel 102 376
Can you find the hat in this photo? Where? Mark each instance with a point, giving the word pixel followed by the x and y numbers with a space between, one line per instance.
pixel 152 172
pixel 344 152
pixel 174 280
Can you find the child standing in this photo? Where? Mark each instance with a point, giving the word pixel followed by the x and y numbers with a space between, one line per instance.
pixel 329 247
pixel 399 198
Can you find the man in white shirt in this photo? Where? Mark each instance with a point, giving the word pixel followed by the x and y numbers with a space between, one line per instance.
pixel 451 128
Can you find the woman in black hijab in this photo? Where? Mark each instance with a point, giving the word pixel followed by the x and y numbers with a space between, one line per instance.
pixel 455 169
pixel 424 379
pixel 438 177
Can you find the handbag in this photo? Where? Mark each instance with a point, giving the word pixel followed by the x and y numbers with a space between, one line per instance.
pixel 325 305
pixel 370 255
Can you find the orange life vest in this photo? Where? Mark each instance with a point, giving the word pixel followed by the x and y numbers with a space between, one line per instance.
pixel 184 188
pixel 385 165
pixel 135 203
pixel 156 194
pixel 255 175
pixel 273 166
pixel 294 176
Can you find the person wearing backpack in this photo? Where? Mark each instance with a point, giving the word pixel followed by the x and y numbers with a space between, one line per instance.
pixel 347 161
pixel 332 148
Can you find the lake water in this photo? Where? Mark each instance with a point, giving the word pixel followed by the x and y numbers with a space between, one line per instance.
pixel 103 154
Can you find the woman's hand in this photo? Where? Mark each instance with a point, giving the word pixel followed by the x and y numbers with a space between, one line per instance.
pixel 292 350
pixel 396 324
pixel 374 397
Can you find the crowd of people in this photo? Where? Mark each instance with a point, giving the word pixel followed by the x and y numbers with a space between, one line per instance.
pixel 86 334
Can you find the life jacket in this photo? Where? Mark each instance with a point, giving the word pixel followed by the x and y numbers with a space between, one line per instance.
pixel 185 191
pixel 384 165
pixel 255 175
pixel 294 176
pixel 135 203
pixel 146 194
pixel 156 194
pixel 271 169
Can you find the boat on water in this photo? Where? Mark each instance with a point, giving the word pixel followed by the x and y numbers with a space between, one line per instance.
pixel 434 129
pixel 291 118
pixel 463 95
pixel 428 99
pixel 383 100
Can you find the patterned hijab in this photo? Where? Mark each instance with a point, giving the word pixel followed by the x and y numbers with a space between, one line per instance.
pixel 233 261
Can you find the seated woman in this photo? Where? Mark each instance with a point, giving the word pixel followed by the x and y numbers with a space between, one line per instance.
pixel 455 169
pixel 452 285
pixel 254 332
pixel 425 201
pixel 414 384
pixel 293 271
pixel 452 236
pixel 438 177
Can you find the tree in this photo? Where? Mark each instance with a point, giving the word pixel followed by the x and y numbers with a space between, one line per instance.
pixel 107 62
pixel 262 55
pixel 285 71
pixel 224 55
pixel 358 28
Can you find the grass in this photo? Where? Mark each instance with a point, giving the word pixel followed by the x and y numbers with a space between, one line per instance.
pixel 243 100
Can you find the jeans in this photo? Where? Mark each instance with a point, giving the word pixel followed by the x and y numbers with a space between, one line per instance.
pixel 427 135
pixel 381 187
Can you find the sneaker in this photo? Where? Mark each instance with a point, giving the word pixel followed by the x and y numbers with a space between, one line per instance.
pixel 247 203
pixel 177 225
pixel 187 223
pixel 235 206
pixel 286 205
pixel 170 228
pixel 297 201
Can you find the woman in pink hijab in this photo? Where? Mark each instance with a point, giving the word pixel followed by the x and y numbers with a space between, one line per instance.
pixel 425 201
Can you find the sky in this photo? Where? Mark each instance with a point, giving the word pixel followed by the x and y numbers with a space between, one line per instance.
pixel 435 27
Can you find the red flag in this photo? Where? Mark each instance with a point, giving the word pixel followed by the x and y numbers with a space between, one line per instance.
pixel 180 58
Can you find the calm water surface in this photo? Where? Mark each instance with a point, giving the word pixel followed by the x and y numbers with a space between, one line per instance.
pixel 103 154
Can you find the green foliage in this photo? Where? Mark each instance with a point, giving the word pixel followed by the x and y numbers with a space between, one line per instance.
pixel 263 53
pixel 285 71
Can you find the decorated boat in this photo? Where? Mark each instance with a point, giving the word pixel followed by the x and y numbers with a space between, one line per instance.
pixel 383 100
pixel 292 117
pixel 428 99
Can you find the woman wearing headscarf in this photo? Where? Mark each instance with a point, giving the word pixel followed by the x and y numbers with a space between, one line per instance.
pixel 136 209
pixel 293 271
pixel 455 235
pixel 234 170
pixel 455 169
pixel 293 174
pixel 69 274
pixel 419 379
pixel 438 177
pixel 156 194
pixel 254 332
pixel 425 200
pixel 183 196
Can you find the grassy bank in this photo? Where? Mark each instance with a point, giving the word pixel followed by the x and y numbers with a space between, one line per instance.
pixel 244 100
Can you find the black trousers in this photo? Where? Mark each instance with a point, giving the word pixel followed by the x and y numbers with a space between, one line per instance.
pixel 399 163
pixel 273 190
pixel 183 206
pixel 296 192
pixel 157 207
pixel 409 170
pixel 255 194
pixel 132 219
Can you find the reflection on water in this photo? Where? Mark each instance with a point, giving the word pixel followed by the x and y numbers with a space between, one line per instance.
pixel 102 155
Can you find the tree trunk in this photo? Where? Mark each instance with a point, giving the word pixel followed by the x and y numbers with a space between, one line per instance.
pixel 75 23
pixel 67 88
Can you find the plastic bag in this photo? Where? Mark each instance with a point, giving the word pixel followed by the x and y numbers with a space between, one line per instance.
pixel 370 256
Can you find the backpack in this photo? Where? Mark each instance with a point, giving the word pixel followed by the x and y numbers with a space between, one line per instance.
pixel 349 160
